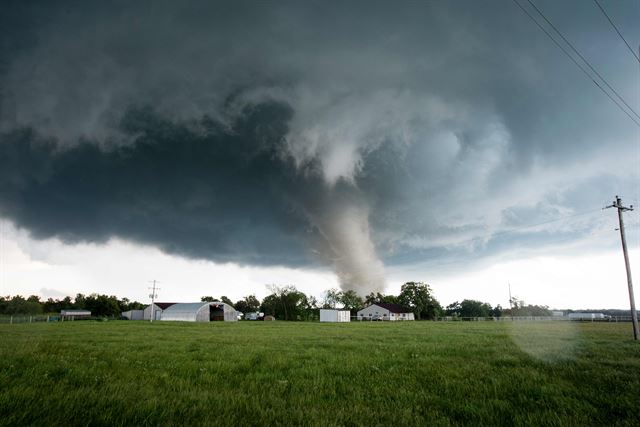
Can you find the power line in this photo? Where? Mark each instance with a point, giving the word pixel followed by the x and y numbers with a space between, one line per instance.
pixel 492 236
pixel 583 58
pixel 617 31
pixel 586 73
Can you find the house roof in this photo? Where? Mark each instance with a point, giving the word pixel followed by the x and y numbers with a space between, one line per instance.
pixel 393 308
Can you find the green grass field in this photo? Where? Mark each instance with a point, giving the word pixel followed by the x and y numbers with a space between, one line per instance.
pixel 280 373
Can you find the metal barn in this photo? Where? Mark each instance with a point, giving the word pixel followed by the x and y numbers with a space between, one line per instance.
pixel 200 312
pixel 157 309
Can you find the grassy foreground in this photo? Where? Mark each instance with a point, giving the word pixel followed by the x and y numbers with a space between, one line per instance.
pixel 277 373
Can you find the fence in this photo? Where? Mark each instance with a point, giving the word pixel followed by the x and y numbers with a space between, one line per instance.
pixel 533 318
pixel 25 318
pixel 43 318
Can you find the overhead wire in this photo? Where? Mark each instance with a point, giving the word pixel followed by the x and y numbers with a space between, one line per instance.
pixel 635 55
pixel 586 73
pixel 598 232
pixel 491 236
pixel 583 58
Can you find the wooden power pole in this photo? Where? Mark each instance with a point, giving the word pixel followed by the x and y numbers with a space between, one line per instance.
pixel 634 315
pixel 153 297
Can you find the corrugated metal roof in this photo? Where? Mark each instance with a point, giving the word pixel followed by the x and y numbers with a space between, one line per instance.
pixel 185 306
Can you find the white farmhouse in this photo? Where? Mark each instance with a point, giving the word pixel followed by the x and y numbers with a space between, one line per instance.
pixel 385 311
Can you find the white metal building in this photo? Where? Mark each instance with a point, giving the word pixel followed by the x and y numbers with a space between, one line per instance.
pixel 200 312
pixel 587 316
pixel 385 311
pixel 134 314
pixel 331 315
pixel 158 309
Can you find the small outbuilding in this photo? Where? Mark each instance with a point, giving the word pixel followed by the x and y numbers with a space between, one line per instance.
pixel 74 314
pixel 331 315
pixel 200 312
pixel 385 311
pixel 587 316
pixel 254 315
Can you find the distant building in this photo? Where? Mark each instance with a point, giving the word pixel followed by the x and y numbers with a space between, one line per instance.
pixel 330 315
pixel 74 314
pixel 587 316
pixel 187 312
pixel 253 315
pixel 385 311
pixel 557 313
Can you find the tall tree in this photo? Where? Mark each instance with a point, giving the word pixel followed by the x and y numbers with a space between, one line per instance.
pixel 331 298
pixel 248 304
pixel 374 298
pixel 497 311
pixel 351 301
pixel 285 302
pixel 79 301
pixel 226 300
pixel 473 308
pixel 102 305
pixel 453 309
pixel 418 296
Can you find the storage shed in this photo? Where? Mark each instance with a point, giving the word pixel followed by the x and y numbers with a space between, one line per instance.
pixel 74 314
pixel 331 315
pixel 587 316
pixel 385 311
pixel 200 312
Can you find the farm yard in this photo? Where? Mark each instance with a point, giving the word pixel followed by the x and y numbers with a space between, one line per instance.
pixel 282 373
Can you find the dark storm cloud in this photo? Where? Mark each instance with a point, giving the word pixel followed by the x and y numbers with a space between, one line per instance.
pixel 352 131
pixel 198 190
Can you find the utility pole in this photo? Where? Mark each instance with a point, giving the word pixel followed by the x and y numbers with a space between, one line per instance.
pixel 153 297
pixel 634 315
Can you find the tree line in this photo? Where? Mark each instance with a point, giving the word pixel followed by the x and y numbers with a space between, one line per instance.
pixel 99 305
pixel 287 303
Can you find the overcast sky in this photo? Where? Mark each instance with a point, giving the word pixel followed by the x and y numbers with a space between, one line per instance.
pixel 221 146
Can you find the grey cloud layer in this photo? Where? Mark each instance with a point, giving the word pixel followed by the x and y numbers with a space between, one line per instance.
pixel 283 133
